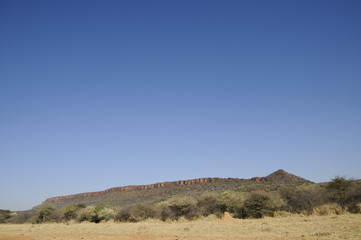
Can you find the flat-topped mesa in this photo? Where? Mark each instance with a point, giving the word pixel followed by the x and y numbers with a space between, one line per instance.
pixel 144 187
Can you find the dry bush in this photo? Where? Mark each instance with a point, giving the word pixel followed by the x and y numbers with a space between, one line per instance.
pixel 124 215
pixel 328 209
pixel 106 214
pixel 282 214
pixel 141 212
pixel 354 208
pixel 165 213
pixel 22 217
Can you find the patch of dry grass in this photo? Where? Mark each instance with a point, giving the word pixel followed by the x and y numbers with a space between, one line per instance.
pixel 346 226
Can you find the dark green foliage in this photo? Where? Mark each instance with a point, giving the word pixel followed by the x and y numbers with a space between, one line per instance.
pixel 339 190
pixel 4 215
pixel 184 207
pixel 303 198
pixel 354 195
pixel 354 208
pixel 44 214
pixel 347 193
pixel 209 204
pixel 258 205
pixel 166 213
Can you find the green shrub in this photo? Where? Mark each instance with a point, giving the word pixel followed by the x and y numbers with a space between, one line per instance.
pixel 184 207
pixel 328 209
pixel 87 214
pixel 209 204
pixel 233 202
pixel 166 213
pixel 106 214
pixel 354 208
pixel 95 214
pixel 124 215
pixel 258 205
pixel 304 198
pixel 71 212
pixel 339 189
pixel 141 212
pixel 4 215
pixel 44 214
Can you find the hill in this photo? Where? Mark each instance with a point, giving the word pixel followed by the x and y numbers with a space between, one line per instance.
pixel 128 195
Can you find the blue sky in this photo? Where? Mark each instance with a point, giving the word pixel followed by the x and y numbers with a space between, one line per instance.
pixel 98 94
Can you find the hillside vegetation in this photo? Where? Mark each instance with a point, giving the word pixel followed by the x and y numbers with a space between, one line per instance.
pixel 279 193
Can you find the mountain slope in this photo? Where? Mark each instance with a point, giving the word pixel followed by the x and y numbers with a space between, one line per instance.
pixel 165 190
pixel 281 176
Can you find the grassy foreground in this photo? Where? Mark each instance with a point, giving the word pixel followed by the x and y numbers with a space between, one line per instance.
pixel 347 226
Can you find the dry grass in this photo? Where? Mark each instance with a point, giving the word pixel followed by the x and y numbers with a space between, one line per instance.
pixel 346 226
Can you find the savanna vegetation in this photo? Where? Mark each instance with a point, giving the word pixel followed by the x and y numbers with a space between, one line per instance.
pixel 295 226
pixel 248 201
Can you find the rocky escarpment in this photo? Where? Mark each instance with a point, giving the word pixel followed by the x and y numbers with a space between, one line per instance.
pixel 152 186
pixel 280 176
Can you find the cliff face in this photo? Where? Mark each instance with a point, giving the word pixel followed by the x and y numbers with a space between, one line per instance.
pixel 150 186
pixel 279 176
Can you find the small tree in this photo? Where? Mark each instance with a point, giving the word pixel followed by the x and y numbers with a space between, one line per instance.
pixel 91 214
pixel 209 204
pixel 166 213
pixel 259 205
pixel 183 207
pixel 4 215
pixel 124 215
pixel 303 198
pixel 233 202
pixel 339 189
pixel 141 212
pixel 71 212
pixel 44 214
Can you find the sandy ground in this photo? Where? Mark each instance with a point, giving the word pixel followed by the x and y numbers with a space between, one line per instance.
pixel 346 226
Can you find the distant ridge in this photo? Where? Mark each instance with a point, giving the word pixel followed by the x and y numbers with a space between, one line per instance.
pixel 149 186
pixel 280 176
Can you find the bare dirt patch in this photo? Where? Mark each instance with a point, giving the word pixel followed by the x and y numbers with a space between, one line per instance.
pixel 8 237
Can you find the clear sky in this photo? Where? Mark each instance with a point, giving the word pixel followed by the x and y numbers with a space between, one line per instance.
pixel 99 94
